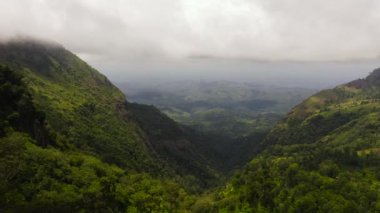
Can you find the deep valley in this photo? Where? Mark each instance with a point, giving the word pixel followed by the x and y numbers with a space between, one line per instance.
pixel 71 141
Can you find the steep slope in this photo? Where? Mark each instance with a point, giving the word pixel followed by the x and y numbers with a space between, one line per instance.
pixel 329 111
pixel 86 112
pixel 37 177
pixel 182 148
pixel 323 157
pixel 80 104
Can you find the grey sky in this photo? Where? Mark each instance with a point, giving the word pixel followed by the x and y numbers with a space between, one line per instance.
pixel 125 34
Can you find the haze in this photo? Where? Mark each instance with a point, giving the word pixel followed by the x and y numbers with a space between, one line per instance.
pixel 290 42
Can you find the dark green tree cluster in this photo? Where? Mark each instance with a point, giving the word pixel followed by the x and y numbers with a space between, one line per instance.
pixel 16 107
pixel 285 184
pixel 36 179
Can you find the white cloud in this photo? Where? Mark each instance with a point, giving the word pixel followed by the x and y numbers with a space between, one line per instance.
pixel 130 30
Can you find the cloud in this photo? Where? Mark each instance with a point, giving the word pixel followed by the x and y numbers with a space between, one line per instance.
pixel 121 31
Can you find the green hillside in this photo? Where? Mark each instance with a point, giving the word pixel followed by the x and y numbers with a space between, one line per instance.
pixel 86 111
pixel 39 175
pixel 71 141
pixel 323 157
pixel 82 107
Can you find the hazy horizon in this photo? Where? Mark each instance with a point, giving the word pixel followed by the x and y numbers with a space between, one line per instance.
pixel 315 75
pixel 314 44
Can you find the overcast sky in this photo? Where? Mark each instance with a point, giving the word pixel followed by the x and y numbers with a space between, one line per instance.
pixel 130 36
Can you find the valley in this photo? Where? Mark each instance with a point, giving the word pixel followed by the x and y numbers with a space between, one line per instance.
pixel 234 116
pixel 71 141
pixel 232 108
pixel 189 106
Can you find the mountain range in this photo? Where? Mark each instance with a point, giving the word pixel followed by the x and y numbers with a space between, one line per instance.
pixel 70 141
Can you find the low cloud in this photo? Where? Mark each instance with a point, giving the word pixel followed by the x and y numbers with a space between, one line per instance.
pixel 124 30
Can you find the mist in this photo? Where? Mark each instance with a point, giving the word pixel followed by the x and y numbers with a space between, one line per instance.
pixel 314 75
pixel 291 42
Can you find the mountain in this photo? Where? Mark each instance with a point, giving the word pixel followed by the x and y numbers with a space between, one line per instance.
pixel 82 107
pixel 70 140
pixel 324 156
pixel 85 110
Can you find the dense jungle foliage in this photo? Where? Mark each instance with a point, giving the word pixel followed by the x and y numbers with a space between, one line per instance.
pixel 70 142
pixel 323 157
pixel 38 175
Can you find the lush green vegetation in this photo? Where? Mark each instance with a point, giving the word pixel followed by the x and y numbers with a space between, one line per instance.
pixel 80 104
pixel 234 117
pixel 84 110
pixel 37 175
pixel 234 109
pixel 69 142
pixel 324 157
pixel 36 179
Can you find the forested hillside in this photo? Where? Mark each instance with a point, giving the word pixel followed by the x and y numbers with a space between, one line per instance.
pixel 71 142
pixel 38 174
pixel 323 157
pixel 68 136
pixel 86 111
